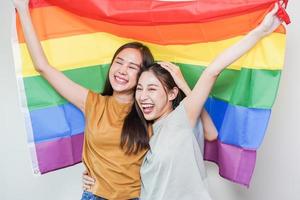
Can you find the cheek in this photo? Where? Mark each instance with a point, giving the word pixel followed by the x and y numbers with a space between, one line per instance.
pixel 133 76
pixel 137 96
pixel 159 97
pixel 110 75
pixel 111 70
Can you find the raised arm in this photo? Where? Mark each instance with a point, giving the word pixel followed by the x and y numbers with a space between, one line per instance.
pixel 210 131
pixel 70 90
pixel 194 102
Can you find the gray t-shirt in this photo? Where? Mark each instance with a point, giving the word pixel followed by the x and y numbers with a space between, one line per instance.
pixel 174 168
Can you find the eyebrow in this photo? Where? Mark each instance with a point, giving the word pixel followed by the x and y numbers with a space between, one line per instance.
pixel 129 62
pixel 148 85
pixel 153 85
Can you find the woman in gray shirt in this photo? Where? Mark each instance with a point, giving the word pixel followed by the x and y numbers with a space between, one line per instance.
pixel 173 167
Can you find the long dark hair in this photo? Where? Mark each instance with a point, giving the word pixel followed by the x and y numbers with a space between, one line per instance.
pixel 146 56
pixel 135 136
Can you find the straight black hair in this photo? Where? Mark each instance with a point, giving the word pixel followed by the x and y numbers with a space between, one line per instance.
pixel 135 136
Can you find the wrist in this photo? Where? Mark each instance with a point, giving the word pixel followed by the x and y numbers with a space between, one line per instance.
pixel 258 32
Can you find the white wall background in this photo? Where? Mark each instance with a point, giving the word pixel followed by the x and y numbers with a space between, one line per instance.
pixel 276 176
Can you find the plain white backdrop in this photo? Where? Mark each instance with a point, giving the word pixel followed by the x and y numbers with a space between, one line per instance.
pixel 277 172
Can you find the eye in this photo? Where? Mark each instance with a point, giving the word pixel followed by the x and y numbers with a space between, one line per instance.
pixel 118 62
pixel 152 89
pixel 133 67
pixel 138 89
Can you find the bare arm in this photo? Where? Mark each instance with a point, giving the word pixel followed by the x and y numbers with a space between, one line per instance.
pixel 210 131
pixel 195 101
pixel 209 128
pixel 70 90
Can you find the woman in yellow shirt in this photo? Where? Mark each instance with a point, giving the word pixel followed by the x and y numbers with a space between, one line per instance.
pixel 103 156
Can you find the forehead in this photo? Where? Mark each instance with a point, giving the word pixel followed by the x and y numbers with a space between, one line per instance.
pixel 148 78
pixel 130 55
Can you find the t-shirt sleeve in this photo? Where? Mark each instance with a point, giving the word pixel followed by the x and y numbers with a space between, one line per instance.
pixel 94 102
pixel 180 120
pixel 179 116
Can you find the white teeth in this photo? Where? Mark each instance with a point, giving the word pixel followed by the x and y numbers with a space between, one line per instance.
pixel 147 106
pixel 120 80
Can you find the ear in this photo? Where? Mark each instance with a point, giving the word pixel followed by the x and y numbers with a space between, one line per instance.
pixel 172 94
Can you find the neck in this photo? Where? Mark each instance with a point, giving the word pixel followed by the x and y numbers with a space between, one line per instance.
pixel 123 97
pixel 167 111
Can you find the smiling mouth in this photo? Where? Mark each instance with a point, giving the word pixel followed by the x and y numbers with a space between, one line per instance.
pixel 147 108
pixel 120 80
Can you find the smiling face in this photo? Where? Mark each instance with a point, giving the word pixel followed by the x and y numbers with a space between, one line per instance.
pixel 124 70
pixel 154 100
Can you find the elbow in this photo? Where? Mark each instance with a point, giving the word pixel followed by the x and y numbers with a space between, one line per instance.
pixel 41 68
pixel 210 136
pixel 211 73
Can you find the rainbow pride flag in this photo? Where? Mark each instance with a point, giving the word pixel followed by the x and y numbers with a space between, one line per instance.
pixel 80 37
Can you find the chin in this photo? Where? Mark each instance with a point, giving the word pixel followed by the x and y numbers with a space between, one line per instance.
pixel 120 88
pixel 150 117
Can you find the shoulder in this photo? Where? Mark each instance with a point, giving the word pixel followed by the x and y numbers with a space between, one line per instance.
pixel 94 101
pixel 178 113
pixel 180 117
pixel 94 97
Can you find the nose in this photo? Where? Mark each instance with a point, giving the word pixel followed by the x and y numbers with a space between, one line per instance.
pixel 123 69
pixel 143 95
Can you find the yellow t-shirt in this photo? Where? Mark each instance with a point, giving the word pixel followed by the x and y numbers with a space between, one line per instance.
pixel 117 174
